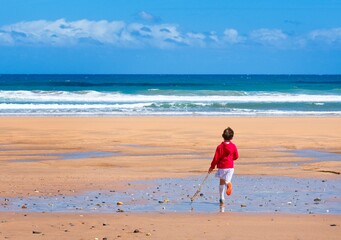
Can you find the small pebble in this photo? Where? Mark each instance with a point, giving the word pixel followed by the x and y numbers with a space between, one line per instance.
pixel 119 203
pixel 136 231
pixel 36 232
pixel 242 205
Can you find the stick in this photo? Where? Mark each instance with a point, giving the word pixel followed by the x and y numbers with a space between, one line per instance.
pixel 199 189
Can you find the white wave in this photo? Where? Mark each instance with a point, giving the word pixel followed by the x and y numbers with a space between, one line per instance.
pixel 173 113
pixel 114 97
pixel 13 106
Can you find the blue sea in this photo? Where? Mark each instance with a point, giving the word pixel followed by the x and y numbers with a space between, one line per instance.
pixel 170 95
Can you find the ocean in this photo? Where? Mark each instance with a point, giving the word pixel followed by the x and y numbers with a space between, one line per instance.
pixel 170 95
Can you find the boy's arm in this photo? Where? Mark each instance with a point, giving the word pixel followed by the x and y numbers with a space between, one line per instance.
pixel 235 154
pixel 214 161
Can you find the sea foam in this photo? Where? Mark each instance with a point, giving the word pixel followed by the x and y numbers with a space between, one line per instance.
pixel 112 97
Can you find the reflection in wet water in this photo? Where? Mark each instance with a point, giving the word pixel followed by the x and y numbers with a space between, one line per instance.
pixel 95 154
pixel 317 156
pixel 251 194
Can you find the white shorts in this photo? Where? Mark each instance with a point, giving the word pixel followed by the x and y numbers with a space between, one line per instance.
pixel 225 173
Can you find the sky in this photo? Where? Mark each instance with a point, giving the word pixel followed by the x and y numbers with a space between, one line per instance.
pixel 170 37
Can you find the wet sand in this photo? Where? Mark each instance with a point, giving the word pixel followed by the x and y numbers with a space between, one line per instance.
pixel 251 194
pixel 60 156
pixel 168 226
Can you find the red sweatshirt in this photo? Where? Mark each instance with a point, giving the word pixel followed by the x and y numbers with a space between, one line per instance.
pixel 225 155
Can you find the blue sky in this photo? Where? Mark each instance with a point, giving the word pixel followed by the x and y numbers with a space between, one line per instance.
pixel 170 37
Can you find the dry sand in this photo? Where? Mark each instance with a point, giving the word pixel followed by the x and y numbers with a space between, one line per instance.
pixel 154 147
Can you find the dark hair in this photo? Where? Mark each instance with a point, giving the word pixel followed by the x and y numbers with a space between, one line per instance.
pixel 228 134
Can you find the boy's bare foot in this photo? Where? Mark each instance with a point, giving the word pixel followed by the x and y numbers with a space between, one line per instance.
pixel 229 189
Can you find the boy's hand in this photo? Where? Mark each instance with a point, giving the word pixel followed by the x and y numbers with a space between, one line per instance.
pixel 210 170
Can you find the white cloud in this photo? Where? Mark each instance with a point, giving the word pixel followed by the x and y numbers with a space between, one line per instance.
pixel 147 16
pixel 121 34
pixel 117 33
pixel 232 36
pixel 61 32
pixel 326 35
pixel 6 38
pixel 268 36
pixel 162 35
pixel 213 36
pixel 199 36
pixel 196 39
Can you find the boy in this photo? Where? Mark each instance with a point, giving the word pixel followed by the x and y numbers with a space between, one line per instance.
pixel 225 154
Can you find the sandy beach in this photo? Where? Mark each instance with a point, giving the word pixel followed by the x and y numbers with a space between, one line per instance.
pixel 168 226
pixel 66 156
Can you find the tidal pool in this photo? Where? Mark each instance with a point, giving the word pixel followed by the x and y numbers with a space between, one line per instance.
pixel 250 194
pixel 65 156
pixel 317 156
